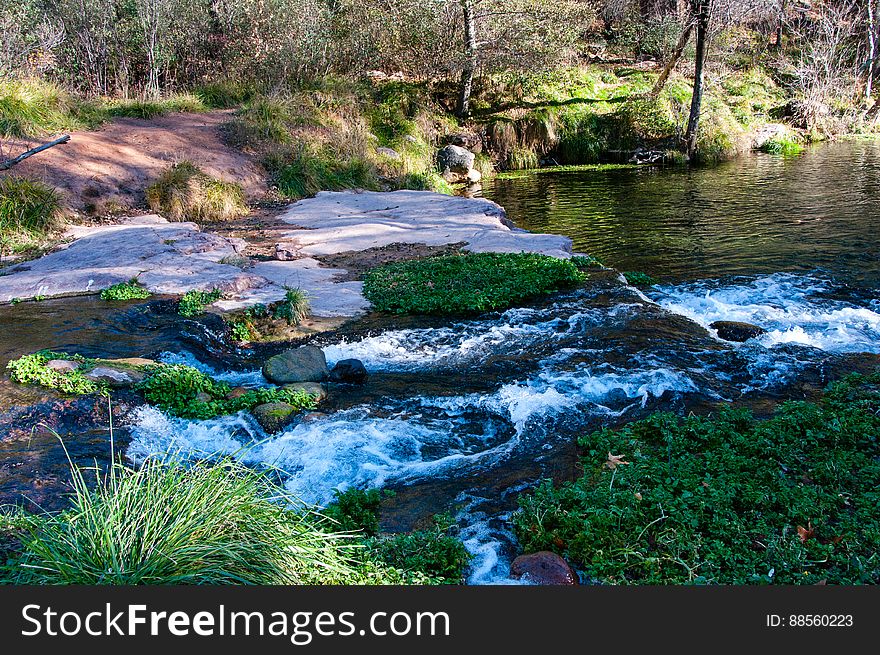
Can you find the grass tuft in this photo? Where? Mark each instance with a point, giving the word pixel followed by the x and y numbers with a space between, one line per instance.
pixel 29 211
pixel 185 193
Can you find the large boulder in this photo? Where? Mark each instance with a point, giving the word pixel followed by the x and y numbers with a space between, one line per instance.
pixel 273 417
pixel 349 371
pixel 543 568
pixel 736 331
pixel 303 364
pixel 455 159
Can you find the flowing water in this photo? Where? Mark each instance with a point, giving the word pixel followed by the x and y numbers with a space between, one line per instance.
pixel 464 415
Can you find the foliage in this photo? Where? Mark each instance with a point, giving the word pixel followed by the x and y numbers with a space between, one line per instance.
pixel 639 279
pixel 130 290
pixel 164 523
pixel 29 211
pixel 241 329
pixel 467 283
pixel 32 369
pixel 356 510
pixel 185 192
pixel 194 301
pixel 725 498
pixel 306 171
pixel 188 393
pixel 782 145
pixel 585 262
pixel 294 308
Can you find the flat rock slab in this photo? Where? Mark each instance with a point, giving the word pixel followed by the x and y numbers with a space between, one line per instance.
pixel 340 221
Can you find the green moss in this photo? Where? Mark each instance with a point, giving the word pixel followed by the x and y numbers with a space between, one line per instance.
pixel 185 193
pixel 32 369
pixel 724 499
pixel 193 302
pixel 188 393
pixel 130 290
pixel 467 283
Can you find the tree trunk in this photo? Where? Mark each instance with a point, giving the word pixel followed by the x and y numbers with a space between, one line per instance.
pixel 872 49
pixel 673 60
pixel 702 10
pixel 470 66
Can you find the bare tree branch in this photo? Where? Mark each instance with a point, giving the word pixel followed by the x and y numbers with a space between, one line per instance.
pixel 9 163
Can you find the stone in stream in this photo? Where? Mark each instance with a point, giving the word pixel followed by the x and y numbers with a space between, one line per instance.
pixel 350 371
pixel 736 331
pixel 62 365
pixel 543 568
pixel 315 389
pixel 273 417
pixel 116 376
pixel 303 364
pixel 237 392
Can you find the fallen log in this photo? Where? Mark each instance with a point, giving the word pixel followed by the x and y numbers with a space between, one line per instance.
pixel 9 163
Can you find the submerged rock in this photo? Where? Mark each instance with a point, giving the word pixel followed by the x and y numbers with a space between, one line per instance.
pixel 736 331
pixel 273 417
pixel 115 376
pixel 350 371
pixel 544 568
pixel 237 392
pixel 303 364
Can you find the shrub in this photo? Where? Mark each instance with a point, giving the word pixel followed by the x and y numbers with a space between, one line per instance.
pixel 188 393
pixel 466 283
pixel 193 302
pixel 639 279
pixel 29 210
pixel 32 369
pixel 164 523
pixel 130 290
pixel 294 308
pixel 184 192
pixel 356 510
pixel 724 499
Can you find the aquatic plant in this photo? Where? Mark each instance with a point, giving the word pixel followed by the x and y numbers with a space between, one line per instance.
pixel 725 498
pixel 186 193
pixel 467 283
pixel 33 369
pixel 189 393
pixel 193 302
pixel 130 290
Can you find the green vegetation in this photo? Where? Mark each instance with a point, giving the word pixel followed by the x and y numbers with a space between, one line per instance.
pixel 164 523
pixel 33 369
pixel 194 302
pixel 726 498
pixel 586 262
pixel 188 393
pixel 29 211
pixel 782 145
pixel 434 551
pixel 639 279
pixel 130 290
pixel 294 308
pixel 467 283
pixel 185 193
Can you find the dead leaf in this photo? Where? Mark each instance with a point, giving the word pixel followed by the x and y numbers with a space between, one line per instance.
pixel 614 461
pixel 638 496
pixel 806 533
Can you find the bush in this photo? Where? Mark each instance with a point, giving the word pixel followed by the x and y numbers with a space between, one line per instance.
pixel 130 290
pixel 724 499
pixel 32 369
pixel 188 393
pixel 164 523
pixel 29 211
pixel 467 283
pixel 356 510
pixel 184 192
pixel 193 302
pixel 639 279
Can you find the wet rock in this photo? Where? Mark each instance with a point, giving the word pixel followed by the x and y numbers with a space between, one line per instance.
pixel 315 389
pixel 311 417
pixel 131 361
pixel 273 417
pixel 544 568
pixel 62 365
pixel 303 364
pixel 116 377
pixel 237 392
pixel 349 371
pixel 736 331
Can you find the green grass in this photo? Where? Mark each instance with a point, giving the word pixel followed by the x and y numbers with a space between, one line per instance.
pixel 467 283
pixel 193 302
pixel 147 109
pixel 32 369
pixel 130 290
pixel 304 171
pixel 164 523
pixel 185 193
pixel 782 145
pixel 188 393
pixel 725 498
pixel 294 308
pixel 29 212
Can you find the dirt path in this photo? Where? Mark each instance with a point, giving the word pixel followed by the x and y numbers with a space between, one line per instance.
pixel 107 170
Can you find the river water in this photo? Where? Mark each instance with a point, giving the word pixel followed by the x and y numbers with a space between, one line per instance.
pixel 464 415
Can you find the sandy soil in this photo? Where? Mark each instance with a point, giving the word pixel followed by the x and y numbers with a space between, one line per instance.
pixel 107 170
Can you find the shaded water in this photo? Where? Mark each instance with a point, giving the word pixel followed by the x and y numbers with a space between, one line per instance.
pixel 464 415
